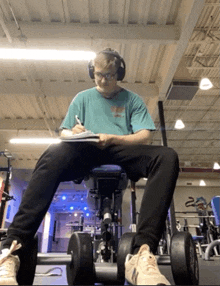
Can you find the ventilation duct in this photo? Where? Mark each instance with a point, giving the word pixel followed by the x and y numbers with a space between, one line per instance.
pixel 182 90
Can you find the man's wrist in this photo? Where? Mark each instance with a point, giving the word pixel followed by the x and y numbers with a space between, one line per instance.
pixel 116 139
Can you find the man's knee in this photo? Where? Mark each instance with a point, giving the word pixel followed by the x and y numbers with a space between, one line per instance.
pixel 170 155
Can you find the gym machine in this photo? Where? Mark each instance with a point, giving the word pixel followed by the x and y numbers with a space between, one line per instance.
pixel 207 231
pixel 5 192
pixel 215 202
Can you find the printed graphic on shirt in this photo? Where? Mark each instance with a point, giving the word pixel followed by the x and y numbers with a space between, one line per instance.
pixel 118 111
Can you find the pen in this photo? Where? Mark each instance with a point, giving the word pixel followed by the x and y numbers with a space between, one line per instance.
pixel 78 121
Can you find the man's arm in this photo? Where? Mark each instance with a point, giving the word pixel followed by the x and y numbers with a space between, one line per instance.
pixel 141 137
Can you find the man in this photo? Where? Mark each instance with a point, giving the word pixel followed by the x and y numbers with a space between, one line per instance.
pixel 124 125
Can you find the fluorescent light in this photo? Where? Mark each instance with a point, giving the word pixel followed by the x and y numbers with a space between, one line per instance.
pixel 38 54
pixel 216 166
pixel 205 84
pixel 179 124
pixel 202 183
pixel 35 141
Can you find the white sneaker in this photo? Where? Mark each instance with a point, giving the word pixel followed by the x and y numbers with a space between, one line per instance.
pixel 142 269
pixel 9 265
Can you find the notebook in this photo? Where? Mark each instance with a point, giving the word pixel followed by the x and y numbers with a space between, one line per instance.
pixel 87 136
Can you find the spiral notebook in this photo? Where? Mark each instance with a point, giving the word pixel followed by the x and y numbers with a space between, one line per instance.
pixel 87 136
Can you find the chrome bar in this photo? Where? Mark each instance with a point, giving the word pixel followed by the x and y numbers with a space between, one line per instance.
pixel 53 259
pixel 163 260
pixel 106 272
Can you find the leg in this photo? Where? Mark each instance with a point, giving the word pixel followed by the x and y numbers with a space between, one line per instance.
pixel 62 162
pixel 160 165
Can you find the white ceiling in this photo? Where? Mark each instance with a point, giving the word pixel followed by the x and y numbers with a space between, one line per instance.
pixel 160 41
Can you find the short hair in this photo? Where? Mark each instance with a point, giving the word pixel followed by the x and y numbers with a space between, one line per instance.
pixel 107 60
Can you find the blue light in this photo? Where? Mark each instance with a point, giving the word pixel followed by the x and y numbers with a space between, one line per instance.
pixel 85 208
pixel 63 198
pixel 71 208
pixel 87 214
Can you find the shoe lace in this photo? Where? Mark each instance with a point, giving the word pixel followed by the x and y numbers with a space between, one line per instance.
pixel 14 246
pixel 149 261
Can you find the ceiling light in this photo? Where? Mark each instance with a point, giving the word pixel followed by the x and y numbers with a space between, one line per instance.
pixel 35 141
pixel 179 124
pixel 216 166
pixel 39 54
pixel 205 84
pixel 202 183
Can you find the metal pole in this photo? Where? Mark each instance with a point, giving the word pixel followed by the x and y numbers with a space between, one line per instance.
pixel 171 212
pixel 5 192
pixel 133 207
pixel 53 259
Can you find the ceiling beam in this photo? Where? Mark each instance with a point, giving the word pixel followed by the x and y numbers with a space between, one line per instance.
pixel 104 6
pixel 4 28
pixel 29 125
pixel 56 33
pixel 187 17
pixel 69 89
pixel 203 68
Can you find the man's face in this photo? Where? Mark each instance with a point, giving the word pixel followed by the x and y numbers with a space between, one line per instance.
pixel 105 79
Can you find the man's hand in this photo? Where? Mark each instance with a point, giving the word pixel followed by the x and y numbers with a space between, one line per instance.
pixel 78 129
pixel 140 137
pixel 105 139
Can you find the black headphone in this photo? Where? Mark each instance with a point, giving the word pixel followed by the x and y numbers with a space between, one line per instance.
pixel 120 71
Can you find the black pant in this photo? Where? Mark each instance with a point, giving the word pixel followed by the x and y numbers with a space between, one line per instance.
pixel 69 161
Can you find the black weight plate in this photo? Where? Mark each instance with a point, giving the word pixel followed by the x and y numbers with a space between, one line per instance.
pixel 184 260
pixel 124 248
pixel 81 270
pixel 28 263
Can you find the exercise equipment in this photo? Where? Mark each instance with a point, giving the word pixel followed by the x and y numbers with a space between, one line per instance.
pixel 215 202
pixel 80 270
pixel 207 233
pixel 5 192
pixel 184 261
pixel 80 267
pixel 125 247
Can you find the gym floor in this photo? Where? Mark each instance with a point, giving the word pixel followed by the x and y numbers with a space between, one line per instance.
pixel 209 273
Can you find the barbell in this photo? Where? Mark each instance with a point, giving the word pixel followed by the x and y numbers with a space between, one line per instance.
pixel 82 270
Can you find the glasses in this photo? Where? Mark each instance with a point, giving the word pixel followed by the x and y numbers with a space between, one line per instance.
pixel 107 76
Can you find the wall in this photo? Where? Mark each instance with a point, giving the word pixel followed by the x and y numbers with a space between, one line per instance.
pixel 181 194
pixel 64 230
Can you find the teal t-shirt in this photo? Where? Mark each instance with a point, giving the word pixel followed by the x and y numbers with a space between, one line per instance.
pixel 125 114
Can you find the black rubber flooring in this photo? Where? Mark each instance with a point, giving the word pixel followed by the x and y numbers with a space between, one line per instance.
pixel 209 273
